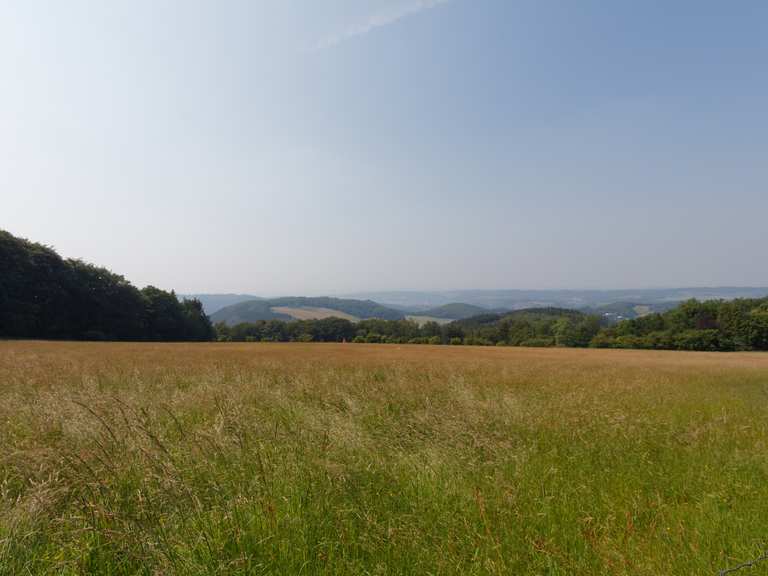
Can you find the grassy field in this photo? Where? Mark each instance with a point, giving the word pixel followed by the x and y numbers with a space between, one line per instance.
pixel 355 459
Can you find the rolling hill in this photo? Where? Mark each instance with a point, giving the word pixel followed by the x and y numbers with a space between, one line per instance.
pixel 303 308
pixel 417 302
pixel 526 314
pixel 212 303
pixel 454 311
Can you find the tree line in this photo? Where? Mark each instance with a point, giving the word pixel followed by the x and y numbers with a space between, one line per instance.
pixel 45 296
pixel 545 327
pixel 740 324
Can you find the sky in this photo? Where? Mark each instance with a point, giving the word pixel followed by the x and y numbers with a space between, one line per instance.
pixel 301 147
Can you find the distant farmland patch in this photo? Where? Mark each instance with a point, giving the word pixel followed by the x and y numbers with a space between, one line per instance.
pixel 301 308
pixel 313 313
pixel 421 320
pixel 643 310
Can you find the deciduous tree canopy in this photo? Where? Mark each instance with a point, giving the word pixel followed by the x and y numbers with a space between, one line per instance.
pixel 45 296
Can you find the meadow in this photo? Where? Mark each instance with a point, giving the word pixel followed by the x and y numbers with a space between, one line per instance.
pixel 379 459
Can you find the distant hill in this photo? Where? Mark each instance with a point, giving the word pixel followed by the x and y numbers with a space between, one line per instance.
pixel 215 302
pixel 607 303
pixel 526 314
pixel 418 302
pixel 249 311
pixel 453 311
pixel 302 308
pixel 617 311
pixel 422 320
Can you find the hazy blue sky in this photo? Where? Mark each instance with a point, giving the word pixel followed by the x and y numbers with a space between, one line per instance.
pixel 294 147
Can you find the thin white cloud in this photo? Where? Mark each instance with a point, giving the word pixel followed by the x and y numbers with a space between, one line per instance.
pixel 379 20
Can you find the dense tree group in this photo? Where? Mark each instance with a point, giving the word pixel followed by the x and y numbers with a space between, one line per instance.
pixel 45 296
pixel 740 324
pixel 537 327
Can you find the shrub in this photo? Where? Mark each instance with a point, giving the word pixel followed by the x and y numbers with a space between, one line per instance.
pixel 696 340
pixel 602 340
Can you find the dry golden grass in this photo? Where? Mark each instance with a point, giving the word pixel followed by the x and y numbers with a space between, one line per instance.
pixel 379 459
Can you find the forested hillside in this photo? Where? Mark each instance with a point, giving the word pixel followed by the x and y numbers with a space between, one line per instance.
pixel 740 324
pixel 214 302
pixel 453 311
pixel 45 296
pixel 255 310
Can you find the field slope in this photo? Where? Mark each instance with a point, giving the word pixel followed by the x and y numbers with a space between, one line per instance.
pixel 359 459
pixel 313 313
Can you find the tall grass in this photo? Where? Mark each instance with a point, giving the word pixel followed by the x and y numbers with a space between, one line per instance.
pixel 333 459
